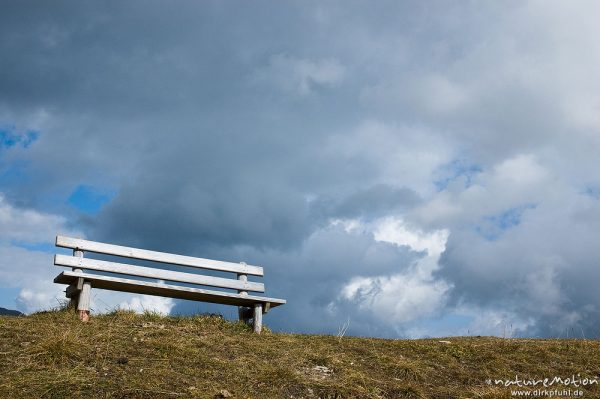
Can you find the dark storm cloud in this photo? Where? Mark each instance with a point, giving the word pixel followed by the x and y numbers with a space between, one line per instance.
pixel 125 89
pixel 376 201
pixel 242 211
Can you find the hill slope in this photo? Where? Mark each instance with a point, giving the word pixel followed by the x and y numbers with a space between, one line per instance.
pixel 123 355
pixel 9 312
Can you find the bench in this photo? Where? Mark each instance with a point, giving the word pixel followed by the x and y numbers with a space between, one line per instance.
pixel 84 275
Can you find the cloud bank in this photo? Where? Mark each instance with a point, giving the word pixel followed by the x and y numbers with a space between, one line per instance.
pixel 411 169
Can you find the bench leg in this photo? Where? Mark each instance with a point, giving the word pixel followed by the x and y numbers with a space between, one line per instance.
pixel 83 304
pixel 258 317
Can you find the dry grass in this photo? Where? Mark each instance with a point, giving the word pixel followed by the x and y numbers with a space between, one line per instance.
pixel 124 355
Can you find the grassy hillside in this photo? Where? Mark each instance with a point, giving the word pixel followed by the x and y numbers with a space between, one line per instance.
pixel 124 355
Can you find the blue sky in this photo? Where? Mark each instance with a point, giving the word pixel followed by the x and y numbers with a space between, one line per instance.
pixel 425 168
pixel 88 199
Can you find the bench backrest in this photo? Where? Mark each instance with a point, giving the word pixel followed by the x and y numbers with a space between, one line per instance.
pixel 240 283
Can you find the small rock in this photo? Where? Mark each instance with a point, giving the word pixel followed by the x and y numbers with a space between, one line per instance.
pixel 323 369
pixel 444 342
pixel 223 393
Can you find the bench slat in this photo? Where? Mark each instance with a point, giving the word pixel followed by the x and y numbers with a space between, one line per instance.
pixel 139 271
pixel 163 257
pixel 174 291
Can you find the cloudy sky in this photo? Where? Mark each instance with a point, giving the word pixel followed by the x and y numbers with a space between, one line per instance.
pixel 407 169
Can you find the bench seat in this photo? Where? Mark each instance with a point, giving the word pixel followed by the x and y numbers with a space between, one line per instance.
pixel 168 290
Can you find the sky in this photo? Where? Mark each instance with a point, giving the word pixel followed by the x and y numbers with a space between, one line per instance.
pixel 400 169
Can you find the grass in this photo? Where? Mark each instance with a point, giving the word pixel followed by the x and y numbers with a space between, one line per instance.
pixel 126 355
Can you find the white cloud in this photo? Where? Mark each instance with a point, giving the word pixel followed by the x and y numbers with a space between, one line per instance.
pixel 27 225
pixel 143 303
pixel 38 297
pixel 401 298
pixel 513 182
pixel 399 155
pixel 30 270
pixel 496 322
pixel 519 172
pixel 396 231
pixel 398 299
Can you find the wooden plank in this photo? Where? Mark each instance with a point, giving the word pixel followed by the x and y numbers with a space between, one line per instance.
pixel 155 256
pixel 141 271
pixel 173 291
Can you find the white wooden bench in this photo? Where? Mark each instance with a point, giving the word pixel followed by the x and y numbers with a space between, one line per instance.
pixel 80 281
